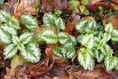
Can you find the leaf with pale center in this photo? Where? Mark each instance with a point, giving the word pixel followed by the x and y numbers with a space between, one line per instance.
pixel 10 50
pixel 29 21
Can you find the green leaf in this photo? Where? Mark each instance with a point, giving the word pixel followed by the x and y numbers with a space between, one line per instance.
pixel 26 37
pixel 106 37
pixel 64 52
pixel 82 8
pixel 88 41
pixel 114 36
pixel 30 21
pixel 81 25
pixel 17 42
pixel 63 37
pixel 31 53
pixel 8 29
pixel 57 12
pixel 85 2
pixel 48 36
pixel 14 23
pixel 49 19
pixel 5 37
pixel 86 26
pixel 80 37
pixel 72 40
pixel 86 12
pixel 99 56
pixel 110 62
pixel 4 16
pixel 10 50
pixel 85 59
pixel 60 24
pixel 1 2
pixel 109 28
pixel 74 4
pixel 104 48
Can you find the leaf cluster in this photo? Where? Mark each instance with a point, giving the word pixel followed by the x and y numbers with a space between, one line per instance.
pixel 95 41
pixel 25 43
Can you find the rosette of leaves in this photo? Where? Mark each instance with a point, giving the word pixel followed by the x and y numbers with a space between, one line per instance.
pixel 68 42
pixel 24 44
pixel 95 47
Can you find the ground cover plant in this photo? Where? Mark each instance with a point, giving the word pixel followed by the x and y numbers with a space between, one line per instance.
pixel 58 39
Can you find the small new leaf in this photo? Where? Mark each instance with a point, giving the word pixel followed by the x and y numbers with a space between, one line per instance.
pixel 30 21
pixel 114 36
pixel 49 19
pixel 85 2
pixel 60 24
pixel 26 37
pixel 109 28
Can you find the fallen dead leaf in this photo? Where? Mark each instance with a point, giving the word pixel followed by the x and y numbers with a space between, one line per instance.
pixel 26 6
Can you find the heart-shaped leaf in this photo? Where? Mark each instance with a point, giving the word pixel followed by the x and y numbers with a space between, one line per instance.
pixel 48 36
pixel 30 21
pixel 60 24
pixel 110 62
pixel 10 50
pixel 85 59
pixel 26 37
pixel 64 52
pixel 31 53
pixel 49 19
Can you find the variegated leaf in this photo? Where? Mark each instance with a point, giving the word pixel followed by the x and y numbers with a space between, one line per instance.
pixel 14 23
pixel 31 53
pixel 60 24
pixel 8 29
pixel 48 36
pixel 5 37
pixel 30 21
pixel 4 16
pixel 63 37
pixel 26 37
pixel 64 52
pixel 10 50
pixel 85 59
